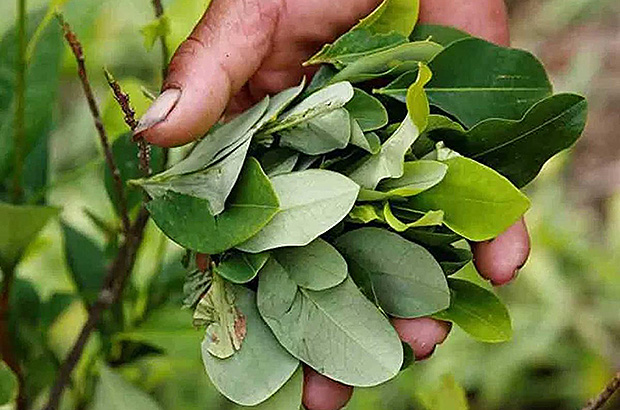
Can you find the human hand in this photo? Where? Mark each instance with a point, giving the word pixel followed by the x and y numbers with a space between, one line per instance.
pixel 242 50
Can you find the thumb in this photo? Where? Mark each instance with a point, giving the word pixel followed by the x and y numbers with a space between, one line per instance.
pixel 222 53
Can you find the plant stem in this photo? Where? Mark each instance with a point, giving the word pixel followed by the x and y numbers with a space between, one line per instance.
pixel 78 52
pixel 6 346
pixel 19 136
pixel 600 400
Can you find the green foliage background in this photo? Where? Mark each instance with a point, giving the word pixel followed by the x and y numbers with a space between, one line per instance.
pixel 565 304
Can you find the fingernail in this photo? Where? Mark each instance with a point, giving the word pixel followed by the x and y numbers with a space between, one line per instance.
pixel 159 110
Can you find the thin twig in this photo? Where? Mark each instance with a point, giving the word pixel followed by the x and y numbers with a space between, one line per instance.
pixel 600 400
pixel 114 284
pixel 6 346
pixel 124 102
pixel 19 135
pixel 76 48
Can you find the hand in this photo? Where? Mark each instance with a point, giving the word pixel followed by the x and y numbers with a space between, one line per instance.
pixel 242 50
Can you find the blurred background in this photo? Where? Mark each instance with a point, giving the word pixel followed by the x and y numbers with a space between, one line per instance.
pixel 565 304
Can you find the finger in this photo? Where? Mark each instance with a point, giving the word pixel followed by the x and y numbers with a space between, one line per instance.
pixel 423 334
pixel 322 393
pixel 500 259
pixel 224 50
pixel 486 19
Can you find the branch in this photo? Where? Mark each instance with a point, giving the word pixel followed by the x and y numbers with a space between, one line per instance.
pixel 165 53
pixel 600 400
pixel 124 102
pixel 76 48
pixel 6 346
pixel 114 283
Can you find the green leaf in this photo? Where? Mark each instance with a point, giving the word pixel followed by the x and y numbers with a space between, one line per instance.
pixel 225 323
pixel 154 30
pixel 279 102
pixel 240 267
pixel 369 142
pixel 42 79
pixel 367 110
pixel 398 88
pixel 432 236
pixel 125 152
pixel 451 259
pixel 8 385
pixel 519 149
pixel 260 368
pixel 287 398
pixel 430 218
pixel 87 263
pixel 445 395
pixel 401 276
pixel 316 266
pixel 366 213
pixel 355 44
pixel 114 392
pixel 388 163
pixel 20 226
pixel 490 82
pixel 418 176
pixel 277 161
pixel 391 62
pixel 322 102
pixel 444 35
pixel 319 135
pixel 113 117
pixel 417 102
pixel 311 203
pixel 187 220
pixel 478 312
pixel 336 331
pixel 393 15
pixel 478 203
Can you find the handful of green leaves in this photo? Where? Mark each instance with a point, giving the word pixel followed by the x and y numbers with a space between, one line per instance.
pixel 332 205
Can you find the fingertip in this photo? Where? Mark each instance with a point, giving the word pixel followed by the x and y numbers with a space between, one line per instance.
pixel 322 393
pixel 500 259
pixel 422 334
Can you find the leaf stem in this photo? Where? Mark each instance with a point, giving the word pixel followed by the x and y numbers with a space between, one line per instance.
pixel 19 136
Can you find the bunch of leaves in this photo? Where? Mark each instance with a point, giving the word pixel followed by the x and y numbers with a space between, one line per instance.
pixel 332 205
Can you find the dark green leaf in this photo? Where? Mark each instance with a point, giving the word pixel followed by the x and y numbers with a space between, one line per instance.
pixel 519 149
pixel 444 35
pixel 260 368
pixel 475 80
pixel 367 110
pixel 241 267
pixel 336 331
pixel 398 87
pixel 432 236
pixel 278 161
pixel 188 221
pixel 401 276
pixel 450 258
pixel 478 312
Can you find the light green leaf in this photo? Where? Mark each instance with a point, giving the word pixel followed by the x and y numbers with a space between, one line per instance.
pixel 20 226
pixel 8 385
pixel 478 312
pixel 418 176
pixel 510 82
pixel 279 102
pixel 478 203
pixel 401 276
pixel 154 30
pixel 445 395
pixel 260 368
pixel 398 88
pixel 317 104
pixel 240 267
pixel 336 331
pixel 366 213
pixel 316 266
pixel 417 102
pixel 391 62
pixel 187 220
pixel 369 142
pixel 319 135
pixel 431 218
pixel 287 398
pixel 225 323
pixel 444 35
pixel 393 15
pixel 311 203
pixel 114 392
pixel 519 149
pixel 367 110
pixel 388 163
